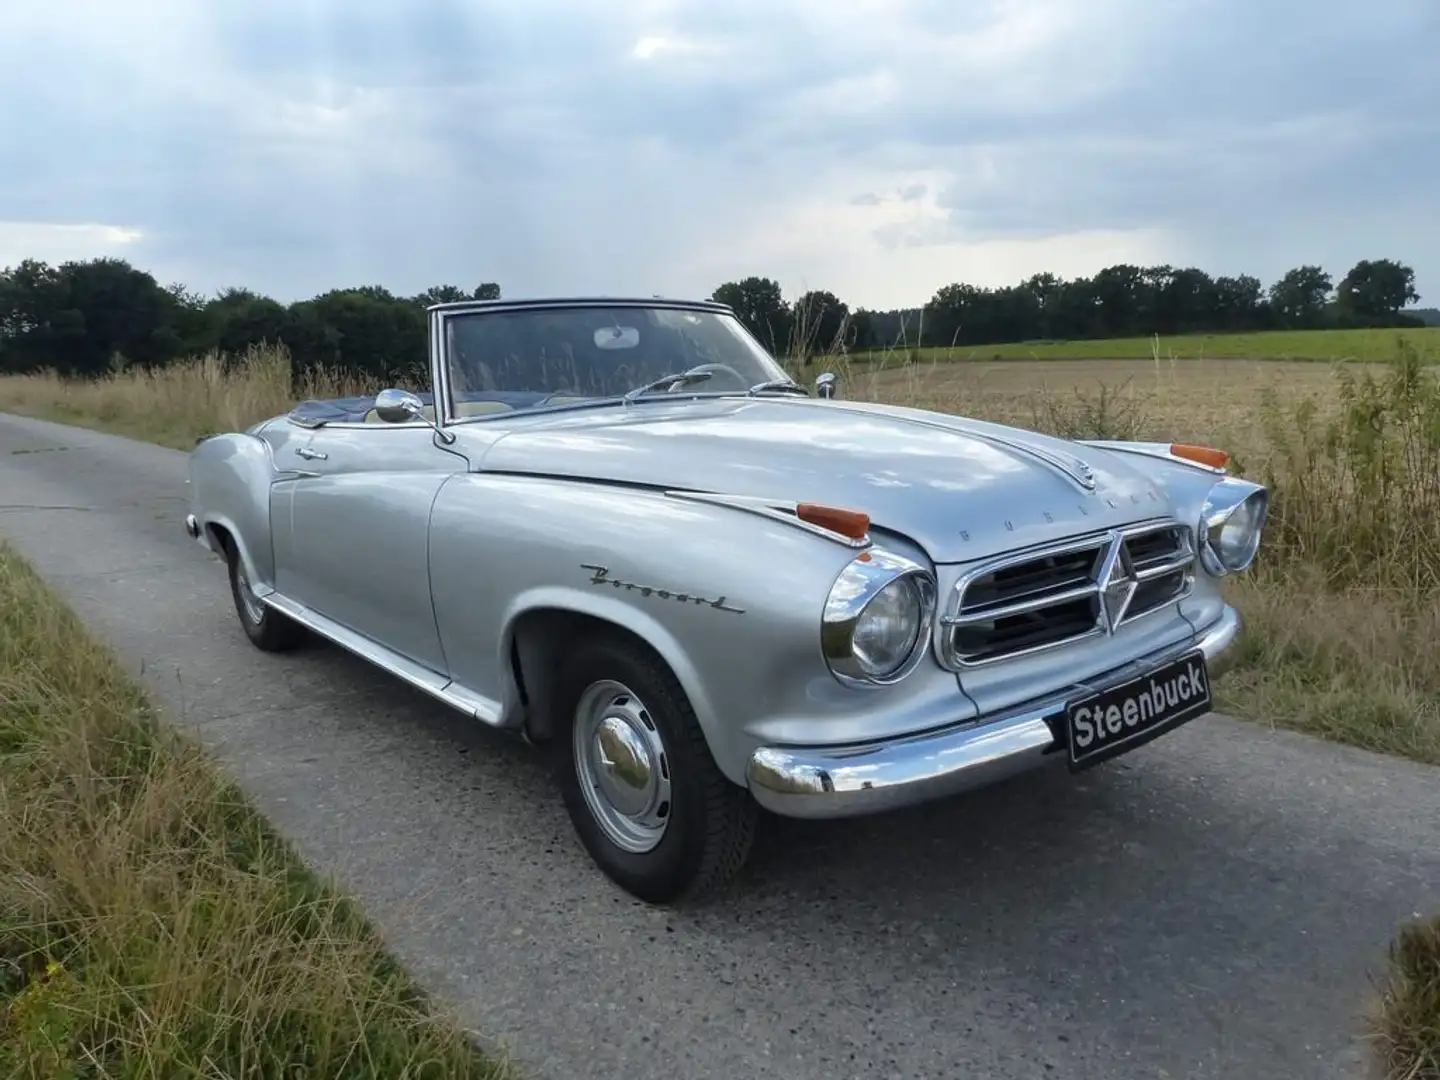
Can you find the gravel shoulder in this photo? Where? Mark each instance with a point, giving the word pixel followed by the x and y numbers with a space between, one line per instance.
pixel 1211 905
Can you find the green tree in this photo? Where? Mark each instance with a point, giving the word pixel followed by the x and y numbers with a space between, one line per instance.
pixel 1299 298
pixel 760 305
pixel 375 333
pixel 238 318
pixel 441 294
pixel 821 322
pixel 1376 289
pixel 1238 304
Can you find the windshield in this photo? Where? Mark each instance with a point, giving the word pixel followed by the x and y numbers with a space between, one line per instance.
pixel 531 357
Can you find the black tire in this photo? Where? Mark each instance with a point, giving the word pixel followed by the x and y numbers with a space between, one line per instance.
pixel 266 628
pixel 711 821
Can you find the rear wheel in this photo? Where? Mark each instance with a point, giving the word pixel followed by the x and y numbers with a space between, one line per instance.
pixel 647 799
pixel 266 628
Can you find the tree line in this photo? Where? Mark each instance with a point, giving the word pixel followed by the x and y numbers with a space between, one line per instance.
pixel 81 318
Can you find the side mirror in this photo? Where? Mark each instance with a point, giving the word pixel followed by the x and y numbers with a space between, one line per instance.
pixel 397 406
pixel 825 385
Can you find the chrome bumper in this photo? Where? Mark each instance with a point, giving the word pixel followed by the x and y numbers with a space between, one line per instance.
pixel 833 782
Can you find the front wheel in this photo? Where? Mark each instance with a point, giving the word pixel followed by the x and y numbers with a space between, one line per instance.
pixel 266 628
pixel 647 799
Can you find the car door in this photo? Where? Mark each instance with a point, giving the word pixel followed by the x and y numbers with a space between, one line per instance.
pixel 352 531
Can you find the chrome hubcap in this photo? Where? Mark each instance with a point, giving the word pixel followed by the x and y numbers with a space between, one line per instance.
pixel 624 772
pixel 248 600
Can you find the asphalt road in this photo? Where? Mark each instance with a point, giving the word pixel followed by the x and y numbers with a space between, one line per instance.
pixel 1211 905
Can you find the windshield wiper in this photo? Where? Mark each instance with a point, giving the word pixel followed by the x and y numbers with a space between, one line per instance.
pixel 666 382
pixel 788 385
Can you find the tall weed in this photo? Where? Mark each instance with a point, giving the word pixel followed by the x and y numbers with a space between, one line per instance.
pixel 1357 492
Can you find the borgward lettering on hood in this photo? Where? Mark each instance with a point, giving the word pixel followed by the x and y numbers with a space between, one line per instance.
pixel 962 488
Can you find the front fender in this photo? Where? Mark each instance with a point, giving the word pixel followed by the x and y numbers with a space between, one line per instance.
pixel 230 477
pixel 731 600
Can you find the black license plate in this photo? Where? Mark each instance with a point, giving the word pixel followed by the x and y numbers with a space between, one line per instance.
pixel 1126 716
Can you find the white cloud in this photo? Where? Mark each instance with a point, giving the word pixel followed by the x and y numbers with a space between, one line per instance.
pixel 878 148
pixel 649 48
pixel 20 240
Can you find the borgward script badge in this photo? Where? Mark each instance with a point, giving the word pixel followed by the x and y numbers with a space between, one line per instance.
pixel 1117 584
pixel 600 575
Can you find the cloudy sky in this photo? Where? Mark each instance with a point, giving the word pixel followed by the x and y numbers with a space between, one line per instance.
pixel 877 148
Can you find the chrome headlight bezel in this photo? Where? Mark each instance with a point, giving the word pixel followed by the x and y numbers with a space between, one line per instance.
pixel 1227 499
pixel 864 579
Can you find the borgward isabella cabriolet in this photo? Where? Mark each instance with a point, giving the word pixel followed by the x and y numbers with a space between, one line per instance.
pixel 616 527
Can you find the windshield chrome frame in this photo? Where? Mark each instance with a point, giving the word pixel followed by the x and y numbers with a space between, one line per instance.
pixel 442 314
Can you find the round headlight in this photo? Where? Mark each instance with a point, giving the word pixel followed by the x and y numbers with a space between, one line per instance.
pixel 1231 525
pixel 877 619
pixel 886 631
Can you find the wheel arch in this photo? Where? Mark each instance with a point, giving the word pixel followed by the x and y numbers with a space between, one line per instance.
pixel 223 537
pixel 537 636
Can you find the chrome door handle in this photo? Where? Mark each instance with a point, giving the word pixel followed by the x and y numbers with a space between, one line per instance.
pixel 308 454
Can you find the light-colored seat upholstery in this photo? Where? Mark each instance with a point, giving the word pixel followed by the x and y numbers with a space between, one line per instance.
pixel 480 408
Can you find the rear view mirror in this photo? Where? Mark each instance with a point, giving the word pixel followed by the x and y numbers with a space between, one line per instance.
pixel 617 337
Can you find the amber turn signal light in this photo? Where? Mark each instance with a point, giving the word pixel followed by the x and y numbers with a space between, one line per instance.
pixel 1204 455
pixel 850 523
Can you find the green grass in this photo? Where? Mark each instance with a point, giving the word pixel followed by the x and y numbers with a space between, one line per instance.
pixel 151 923
pixel 1354 345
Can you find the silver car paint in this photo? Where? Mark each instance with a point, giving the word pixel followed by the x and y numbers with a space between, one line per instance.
pixel 426 557
pixel 961 489
pixel 352 534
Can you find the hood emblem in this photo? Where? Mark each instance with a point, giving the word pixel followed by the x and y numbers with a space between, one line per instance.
pixel 1116 582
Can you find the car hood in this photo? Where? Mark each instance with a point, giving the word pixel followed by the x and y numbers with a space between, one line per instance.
pixel 962 489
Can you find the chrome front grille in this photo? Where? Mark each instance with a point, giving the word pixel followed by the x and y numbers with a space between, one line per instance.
pixel 1079 588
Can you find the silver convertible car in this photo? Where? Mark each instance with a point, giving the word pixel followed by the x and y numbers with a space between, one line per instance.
pixel 617 528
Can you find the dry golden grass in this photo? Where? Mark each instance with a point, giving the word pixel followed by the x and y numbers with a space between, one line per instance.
pixel 150 924
pixel 1216 402
pixel 174 406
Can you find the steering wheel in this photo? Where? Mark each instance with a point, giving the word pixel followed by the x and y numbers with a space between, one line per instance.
pixel 562 392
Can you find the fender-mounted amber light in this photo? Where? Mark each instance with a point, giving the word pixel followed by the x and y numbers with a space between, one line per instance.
pixel 1204 455
pixel 848 523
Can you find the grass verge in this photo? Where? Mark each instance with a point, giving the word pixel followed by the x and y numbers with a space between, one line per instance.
pixel 150 922
pixel 1406 1021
